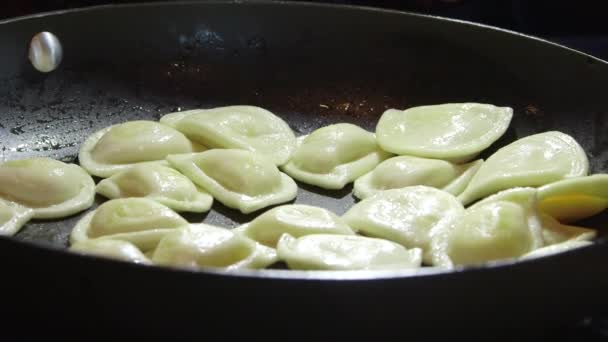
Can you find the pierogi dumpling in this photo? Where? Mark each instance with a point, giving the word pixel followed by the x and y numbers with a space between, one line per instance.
pixel 505 225
pixel 114 249
pixel 202 245
pixel 410 216
pixel 535 160
pixel 119 147
pixel 489 232
pixel 52 189
pixel 402 171
pixel 296 220
pixel 451 131
pixel 574 199
pixel 239 179
pixel 345 252
pixel 12 217
pixel 157 182
pixel 140 221
pixel 237 127
pixel 334 156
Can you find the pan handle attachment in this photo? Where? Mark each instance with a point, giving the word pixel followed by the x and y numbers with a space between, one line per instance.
pixel 45 52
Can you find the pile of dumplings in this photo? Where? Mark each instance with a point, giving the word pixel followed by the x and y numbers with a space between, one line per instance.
pixel 425 198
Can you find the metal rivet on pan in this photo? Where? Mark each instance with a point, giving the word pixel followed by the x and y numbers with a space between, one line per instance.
pixel 45 52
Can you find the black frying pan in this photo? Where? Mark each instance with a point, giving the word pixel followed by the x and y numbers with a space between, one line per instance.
pixel 313 65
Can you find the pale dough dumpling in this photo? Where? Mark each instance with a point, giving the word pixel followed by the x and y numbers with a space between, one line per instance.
pixel 201 245
pixel 402 171
pixel 452 131
pixel 119 147
pixel 410 216
pixel 53 189
pixel 490 232
pixel 502 226
pixel 240 179
pixel 114 249
pixel 157 182
pixel 574 199
pixel 334 156
pixel 527 199
pixel 12 217
pixel 535 160
pixel 242 127
pixel 296 220
pixel 140 221
pixel 345 252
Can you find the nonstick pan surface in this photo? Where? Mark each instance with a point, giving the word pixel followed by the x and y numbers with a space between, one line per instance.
pixel 313 65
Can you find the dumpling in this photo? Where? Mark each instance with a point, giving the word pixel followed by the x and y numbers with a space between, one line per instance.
pixel 334 156
pixel 503 226
pixel 157 182
pixel 493 231
pixel 402 171
pixel 345 252
pixel 452 131
pixel 535 160
pixel 237 127
pixel 409 216
pixel 557 248
pixel 296 220
pixel 240 179
pixel 12 217
pixel 53 189
pixel 527 198
pixel 140 221
pixel 115 249
pixel 201 245
pixel 119 147
pixel 574 199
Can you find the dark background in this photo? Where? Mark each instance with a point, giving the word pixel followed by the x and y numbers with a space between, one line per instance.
pixel 578 24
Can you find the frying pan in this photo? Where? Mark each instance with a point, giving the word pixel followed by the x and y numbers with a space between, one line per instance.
pixel 312 65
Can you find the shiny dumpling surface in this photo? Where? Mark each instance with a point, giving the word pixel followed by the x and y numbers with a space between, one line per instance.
pixel 402 171
pixel 202 245
pixel 335 155
pixel 535 160
pixel 121 146
pixel 409 216
pixel 242 127
pixel 489 232
pixel 239 179
pixel 505 225
pixel 157 182
pixel 12 217
pixel 51 188
pixel 574 199
pixel 527 199
pixel 451 131
pixel 345 252
pixel 296 220
pixel 114 249
pixel 140 221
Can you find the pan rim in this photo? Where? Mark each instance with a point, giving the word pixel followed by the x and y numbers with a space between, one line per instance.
pixel 296 274
pixel 292 3
pixel 316 275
